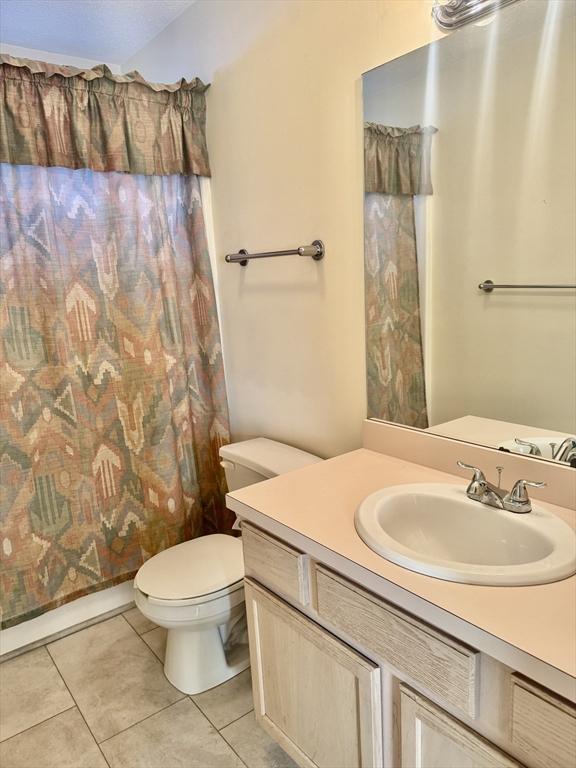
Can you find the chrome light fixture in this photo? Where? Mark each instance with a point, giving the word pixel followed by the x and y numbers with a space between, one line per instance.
pixel 451 14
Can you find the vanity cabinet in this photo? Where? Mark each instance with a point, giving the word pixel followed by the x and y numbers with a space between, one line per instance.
pixel 317 697
pixel 344 679
pixel 433 739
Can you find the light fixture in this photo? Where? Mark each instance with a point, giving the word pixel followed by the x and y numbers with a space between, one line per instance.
pixel 451 14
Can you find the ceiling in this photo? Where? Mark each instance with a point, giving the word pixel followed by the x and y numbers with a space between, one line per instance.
pixel 104 30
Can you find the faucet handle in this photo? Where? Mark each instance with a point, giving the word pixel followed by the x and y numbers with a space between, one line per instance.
pixel 518 500
pixel 534 450
pixel 477 486
pixel 478 474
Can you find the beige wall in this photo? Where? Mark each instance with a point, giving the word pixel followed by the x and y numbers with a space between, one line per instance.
pixel 285 141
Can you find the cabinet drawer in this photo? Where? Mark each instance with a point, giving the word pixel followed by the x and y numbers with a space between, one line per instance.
pixel 275 564
pixel 442 665
pixel 543 726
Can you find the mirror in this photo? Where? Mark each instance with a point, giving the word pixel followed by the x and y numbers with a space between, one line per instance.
pixel 470 178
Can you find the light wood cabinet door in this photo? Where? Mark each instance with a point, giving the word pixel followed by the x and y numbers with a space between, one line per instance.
pixel 543 726
pixel 318 698
pixel 431 738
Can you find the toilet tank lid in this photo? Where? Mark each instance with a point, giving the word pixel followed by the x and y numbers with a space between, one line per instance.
pixel 267 457
pixel 195 568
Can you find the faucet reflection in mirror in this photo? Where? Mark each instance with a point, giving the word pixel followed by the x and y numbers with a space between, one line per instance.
pixel 396 168
pixel 451 14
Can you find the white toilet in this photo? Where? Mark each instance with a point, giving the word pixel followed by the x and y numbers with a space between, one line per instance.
pixel 195 589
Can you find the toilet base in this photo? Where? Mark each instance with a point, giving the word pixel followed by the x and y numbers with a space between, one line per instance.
pixel 195 659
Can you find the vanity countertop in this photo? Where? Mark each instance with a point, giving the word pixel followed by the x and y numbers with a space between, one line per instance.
pixel 531 628
pixel 475 429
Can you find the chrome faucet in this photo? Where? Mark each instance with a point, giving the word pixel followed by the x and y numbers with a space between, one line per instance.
pixel 515 500
pixel 566 451
pixel 533 448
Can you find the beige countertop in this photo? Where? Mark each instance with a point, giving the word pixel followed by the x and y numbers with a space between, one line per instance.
pixel 535 625
pixel 476 429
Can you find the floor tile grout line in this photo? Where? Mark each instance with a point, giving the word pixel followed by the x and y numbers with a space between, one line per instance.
pixel 207 716
pixel 224 739
pixel 128 727
pixel 40 722
pixel 236 719
pixel 149 631
pixel 161 660
pixel 133 627
pixel 45 719
pixel 77 706
pixel 232 748
pixel 152 651
pixel 145 644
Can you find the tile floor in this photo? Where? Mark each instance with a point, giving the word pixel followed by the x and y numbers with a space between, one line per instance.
pixel 99 699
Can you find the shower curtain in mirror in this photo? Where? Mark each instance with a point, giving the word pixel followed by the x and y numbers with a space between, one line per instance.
pixel 113 403
pixel 397 167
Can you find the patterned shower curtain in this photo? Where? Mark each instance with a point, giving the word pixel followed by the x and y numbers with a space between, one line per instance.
pixel 397 167
pixel 113 402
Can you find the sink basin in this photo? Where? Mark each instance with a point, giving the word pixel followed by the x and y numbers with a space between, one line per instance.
pixel 437 530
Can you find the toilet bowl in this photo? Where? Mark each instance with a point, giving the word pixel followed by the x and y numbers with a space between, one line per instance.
pixel 195 590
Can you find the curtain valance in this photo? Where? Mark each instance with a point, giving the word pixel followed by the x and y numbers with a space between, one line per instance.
pixel 90 118
pixel 397 160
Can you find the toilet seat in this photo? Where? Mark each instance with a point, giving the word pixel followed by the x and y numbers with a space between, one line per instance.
pixel 196 571
pixel 199 600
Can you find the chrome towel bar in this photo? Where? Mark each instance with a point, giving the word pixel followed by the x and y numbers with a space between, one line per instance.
pixel 488 286
pixel 315 251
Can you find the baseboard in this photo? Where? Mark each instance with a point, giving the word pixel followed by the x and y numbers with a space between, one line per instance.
pixel 67 619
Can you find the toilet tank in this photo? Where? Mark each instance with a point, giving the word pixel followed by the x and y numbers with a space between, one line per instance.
pixel 259 459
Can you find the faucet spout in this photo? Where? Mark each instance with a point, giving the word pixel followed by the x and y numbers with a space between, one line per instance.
pixel 566 451
pixel 493 496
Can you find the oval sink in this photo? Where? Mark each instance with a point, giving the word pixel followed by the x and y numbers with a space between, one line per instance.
pixel 437 530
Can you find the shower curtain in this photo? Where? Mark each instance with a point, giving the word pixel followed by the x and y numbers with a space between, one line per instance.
pixel 113 403
pixel 397 167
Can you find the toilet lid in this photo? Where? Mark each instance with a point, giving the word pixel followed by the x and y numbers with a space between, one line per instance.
pixel 192 569
pixel 267 457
